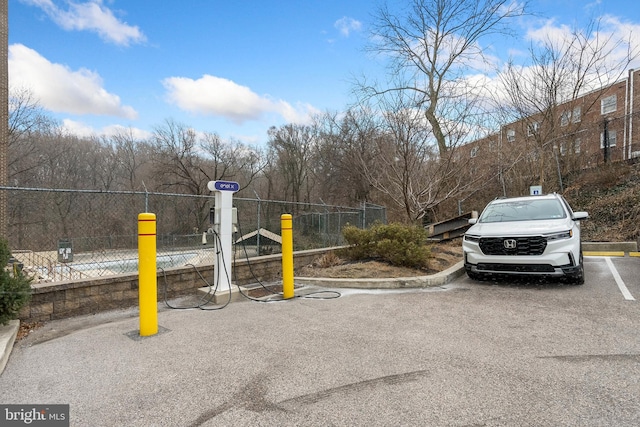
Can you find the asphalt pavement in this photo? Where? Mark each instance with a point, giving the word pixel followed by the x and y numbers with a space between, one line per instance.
pixel 464 353
pixel 455 354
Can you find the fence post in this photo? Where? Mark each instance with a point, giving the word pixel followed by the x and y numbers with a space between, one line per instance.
pixel 364 215
pixel 258 228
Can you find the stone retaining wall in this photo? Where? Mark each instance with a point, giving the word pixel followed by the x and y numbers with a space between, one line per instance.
pixel 77 297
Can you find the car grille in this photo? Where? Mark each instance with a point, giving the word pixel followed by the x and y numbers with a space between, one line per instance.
pixel 523 245
pixel 516 268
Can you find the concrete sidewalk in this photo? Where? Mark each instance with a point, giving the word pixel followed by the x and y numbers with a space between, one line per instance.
pixel 8 335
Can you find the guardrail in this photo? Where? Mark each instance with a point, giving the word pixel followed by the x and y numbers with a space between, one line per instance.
pixel 451 228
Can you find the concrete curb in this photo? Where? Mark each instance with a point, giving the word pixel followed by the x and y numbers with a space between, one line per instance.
pixel 617 249
pixel 438 279
pixel 8 334
pixel 610 249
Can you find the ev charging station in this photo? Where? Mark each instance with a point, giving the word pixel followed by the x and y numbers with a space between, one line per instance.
pixel 224 218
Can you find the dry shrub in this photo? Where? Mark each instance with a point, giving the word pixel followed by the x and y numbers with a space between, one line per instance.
pixel 611 195
pixel 330 259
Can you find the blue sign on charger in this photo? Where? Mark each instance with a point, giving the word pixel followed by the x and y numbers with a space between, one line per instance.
pixel 226 186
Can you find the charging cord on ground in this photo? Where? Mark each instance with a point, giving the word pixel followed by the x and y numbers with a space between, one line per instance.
pixel 312 295
pixel 206 299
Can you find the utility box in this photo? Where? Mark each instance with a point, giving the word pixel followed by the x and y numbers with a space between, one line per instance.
pixel 65 250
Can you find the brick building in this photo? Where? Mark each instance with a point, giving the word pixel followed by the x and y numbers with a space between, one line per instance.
pixel 600 126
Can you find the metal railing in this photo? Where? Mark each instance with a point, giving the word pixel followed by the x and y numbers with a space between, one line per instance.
pixel 450 228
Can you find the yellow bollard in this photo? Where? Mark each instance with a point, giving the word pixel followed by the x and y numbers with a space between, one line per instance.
pixel 147 276
pixel 287 255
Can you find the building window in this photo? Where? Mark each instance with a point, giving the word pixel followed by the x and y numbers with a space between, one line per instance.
pixel 566 146
pixel 563 148
pixel 474 151
pixel 608 104
pixel 576 115
pixel 573 116
pixel 511 135
pixel 533 128
pixel 612 138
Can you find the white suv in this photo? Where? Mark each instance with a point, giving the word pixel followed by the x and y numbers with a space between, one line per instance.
pixel 534 235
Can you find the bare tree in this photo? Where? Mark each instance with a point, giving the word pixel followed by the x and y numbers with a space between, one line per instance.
pixel 232 159
pixel 185 161
pixel 29 129
pixel 344 152
pixel 293 148
pixel 432 45
pixel 177 160
pixel 408 169
pixel 547 96
pixel 131 155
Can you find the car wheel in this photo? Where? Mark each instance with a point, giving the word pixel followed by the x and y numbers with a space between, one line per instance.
pixel 578 278
pixel 475 276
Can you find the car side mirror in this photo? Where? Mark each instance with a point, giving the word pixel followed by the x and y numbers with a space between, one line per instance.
pixel 580 215
pixel 473 220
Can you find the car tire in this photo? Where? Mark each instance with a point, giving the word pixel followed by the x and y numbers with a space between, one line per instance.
pixel 578 278
pixel 475 276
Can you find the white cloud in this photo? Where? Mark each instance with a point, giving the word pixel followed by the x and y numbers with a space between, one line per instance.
pixel 549 31
pixel 138 134
pixel 216 96
pixel 60 89
pixel 611 38
pixel 83 130
pixel 346 25
pixel 91 16
pixel 626 31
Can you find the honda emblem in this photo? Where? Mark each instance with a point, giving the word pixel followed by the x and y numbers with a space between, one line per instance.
pixel 510 243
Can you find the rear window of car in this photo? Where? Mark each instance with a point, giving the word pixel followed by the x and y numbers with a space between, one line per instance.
pixel 523 210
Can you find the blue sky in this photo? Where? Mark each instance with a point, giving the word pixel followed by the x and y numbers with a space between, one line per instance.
pixel 231 67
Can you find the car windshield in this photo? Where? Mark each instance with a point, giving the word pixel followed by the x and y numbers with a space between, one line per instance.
pixel 522 210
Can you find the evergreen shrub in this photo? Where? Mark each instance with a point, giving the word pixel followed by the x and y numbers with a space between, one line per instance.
pixel 15 287
pixel 398 244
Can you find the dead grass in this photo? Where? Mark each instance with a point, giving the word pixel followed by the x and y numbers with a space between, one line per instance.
pixel 26 328
pixel 611 195
pixel 443 256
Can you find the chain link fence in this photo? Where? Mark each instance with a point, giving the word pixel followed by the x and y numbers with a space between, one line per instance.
pixel 57 234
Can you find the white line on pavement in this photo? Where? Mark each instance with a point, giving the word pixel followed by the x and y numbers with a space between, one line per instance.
pixel 625 292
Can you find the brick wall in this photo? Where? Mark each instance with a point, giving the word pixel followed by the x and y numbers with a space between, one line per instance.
pixel 58 300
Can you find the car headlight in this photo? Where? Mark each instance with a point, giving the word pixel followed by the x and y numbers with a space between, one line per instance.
pixel 471 238
pixel 559 236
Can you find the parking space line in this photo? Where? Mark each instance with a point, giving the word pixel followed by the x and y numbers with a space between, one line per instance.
pixel 625 292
